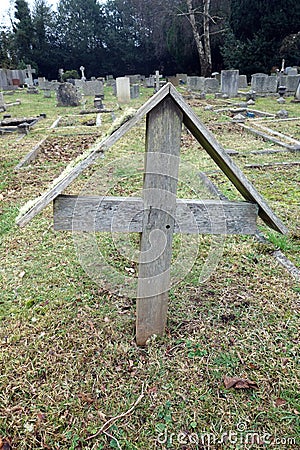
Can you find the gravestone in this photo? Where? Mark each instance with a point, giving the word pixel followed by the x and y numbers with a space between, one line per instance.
pixel 157 77
pixel 134 79
pixel 134 91
pixel 114 87
pixel 211 85
pixel 297 95
pixel 92 87
pixel 42 82
pixel 230 82
pixel 67 95
pixel 123 89
pixel 196 83
pixel 82 69
pixel 47 92
pixel 149 82
pixel 3 79
pixel 292 71
pixel 174 80
pixel 2 103
pixel 263 84
pixel 243 83
pixel 291 84
pixel 182 77
pixel 29 72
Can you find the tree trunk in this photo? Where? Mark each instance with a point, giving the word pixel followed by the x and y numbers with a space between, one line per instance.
pixel 204 51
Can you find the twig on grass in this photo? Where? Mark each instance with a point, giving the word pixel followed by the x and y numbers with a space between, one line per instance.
pixel 112 420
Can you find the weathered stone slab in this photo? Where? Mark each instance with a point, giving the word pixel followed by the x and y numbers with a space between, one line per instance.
pixel 263 84
pixel 211 85
pixel 123 89
pixel 230 82
pixel 243 83
pixel 67 95
pixel 134 91
pixel 196 83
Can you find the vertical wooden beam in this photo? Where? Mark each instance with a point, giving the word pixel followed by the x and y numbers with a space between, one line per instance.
pixel 163 134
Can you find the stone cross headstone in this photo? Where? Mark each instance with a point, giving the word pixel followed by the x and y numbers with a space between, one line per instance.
pixel 157 80
pixel 82 69
pixel 60 74
pixel 123 89
pixel 29 72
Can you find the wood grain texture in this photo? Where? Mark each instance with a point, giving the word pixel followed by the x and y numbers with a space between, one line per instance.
pixel 97 149
pixel 163 135
pixel 200 132
pixel 32 155
pixel 230 169
pixel 121 215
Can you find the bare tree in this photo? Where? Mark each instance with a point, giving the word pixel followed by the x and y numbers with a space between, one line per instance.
pixel 202 41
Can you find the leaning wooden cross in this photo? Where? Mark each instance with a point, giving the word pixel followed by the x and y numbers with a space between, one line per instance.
pixel 155 216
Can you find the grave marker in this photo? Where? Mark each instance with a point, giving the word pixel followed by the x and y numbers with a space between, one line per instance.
pixel 123 89
pixel 159 213
pixel 230 82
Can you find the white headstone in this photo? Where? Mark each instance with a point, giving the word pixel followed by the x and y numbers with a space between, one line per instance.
pixel 123 89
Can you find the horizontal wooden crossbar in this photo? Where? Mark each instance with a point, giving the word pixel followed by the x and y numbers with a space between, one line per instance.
pixel 120 214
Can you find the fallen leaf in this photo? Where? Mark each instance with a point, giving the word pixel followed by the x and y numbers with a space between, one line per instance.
pixel 86 398
pixel 5 444
pixel 21 274
pixel 253 366
pixel 239 383
pixel 280 402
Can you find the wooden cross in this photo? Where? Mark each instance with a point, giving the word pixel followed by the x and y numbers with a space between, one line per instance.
pixel 159 213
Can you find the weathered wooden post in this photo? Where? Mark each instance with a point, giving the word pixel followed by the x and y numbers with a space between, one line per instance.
pixel 163 133
pixel 158 214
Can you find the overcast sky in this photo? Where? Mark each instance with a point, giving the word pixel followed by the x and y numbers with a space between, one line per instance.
pixel 7 7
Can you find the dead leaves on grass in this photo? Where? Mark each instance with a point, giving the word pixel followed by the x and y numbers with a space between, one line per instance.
pixel 239 383
pixel 5 444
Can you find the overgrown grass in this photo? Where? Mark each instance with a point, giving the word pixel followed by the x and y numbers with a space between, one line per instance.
pixel 68 358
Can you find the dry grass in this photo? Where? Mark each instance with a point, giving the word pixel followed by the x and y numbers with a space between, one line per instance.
pixel 69 362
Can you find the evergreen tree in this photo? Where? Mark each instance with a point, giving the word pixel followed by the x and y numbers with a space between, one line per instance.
pixel 7 56
pixel 43 43
pixel 23 32
pixel 79 35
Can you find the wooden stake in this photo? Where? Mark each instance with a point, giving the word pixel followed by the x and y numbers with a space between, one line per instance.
pixel 164 125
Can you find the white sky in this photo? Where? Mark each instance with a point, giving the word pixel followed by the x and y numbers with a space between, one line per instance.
pixel 7 8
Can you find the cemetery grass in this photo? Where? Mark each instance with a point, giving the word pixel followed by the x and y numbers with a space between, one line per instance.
pixel 69 361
